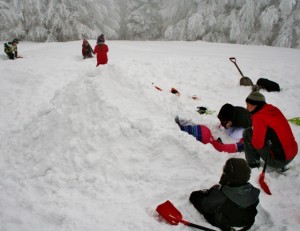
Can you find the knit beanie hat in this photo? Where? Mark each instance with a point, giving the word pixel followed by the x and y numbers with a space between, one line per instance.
pixel 101 39
pixel 236 172
pixel 256 98
pixel 226 112
pixel 15 41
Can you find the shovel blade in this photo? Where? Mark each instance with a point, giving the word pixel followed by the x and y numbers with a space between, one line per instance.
pixel 263 184
pixel 246 81
pixel 168 211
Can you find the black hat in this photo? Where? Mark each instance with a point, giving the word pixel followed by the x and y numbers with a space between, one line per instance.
pixel 101 39
pixel 256 98
pixel 226 112
pixel 236 172
pixel 15 41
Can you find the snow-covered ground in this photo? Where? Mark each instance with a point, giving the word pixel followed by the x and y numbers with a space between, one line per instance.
pixel 86 148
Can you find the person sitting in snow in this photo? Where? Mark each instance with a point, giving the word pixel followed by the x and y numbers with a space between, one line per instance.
pixel 232 202
pixel 268 124
pixel 87 50
pixel 11 49
pixel 203 134
pixel 101 50
pixel 234 119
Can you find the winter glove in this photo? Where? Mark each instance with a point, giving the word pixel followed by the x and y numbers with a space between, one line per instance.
pixel 240 146
pixel 202 110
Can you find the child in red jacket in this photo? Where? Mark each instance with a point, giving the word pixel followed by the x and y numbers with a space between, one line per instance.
pixel 101 50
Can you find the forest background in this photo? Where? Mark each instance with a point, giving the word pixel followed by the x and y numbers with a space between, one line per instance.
pixel 259 22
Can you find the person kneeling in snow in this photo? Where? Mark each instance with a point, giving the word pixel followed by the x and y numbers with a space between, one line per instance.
pixel 268 124
pixel 234 119
pixel 11 49
pixel 87 50
pixel 203 134
pixel 231 203
pixel 101 50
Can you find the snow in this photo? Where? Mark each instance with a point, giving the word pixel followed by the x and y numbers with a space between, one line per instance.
pixel 86 148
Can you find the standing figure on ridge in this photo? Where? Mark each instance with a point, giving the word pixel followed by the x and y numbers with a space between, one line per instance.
pixel 101 50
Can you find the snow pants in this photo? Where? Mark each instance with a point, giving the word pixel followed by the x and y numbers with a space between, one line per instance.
pixel 11 55
pixel 253 155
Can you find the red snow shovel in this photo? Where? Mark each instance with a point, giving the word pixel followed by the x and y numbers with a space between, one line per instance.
pixel 168 211
pixel 244 81
pixel 261 180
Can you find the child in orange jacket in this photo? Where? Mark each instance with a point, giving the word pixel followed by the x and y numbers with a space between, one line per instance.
pixel 101 50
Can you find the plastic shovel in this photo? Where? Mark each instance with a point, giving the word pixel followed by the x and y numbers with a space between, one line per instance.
pixel 295 120
pixel 244 81
pixel 261 179
pixel 168 211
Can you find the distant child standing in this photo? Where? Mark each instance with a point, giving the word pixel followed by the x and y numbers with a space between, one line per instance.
pixel 101 50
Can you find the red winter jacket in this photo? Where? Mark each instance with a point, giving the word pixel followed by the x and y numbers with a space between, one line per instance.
pixel 271 117
pixel 101 51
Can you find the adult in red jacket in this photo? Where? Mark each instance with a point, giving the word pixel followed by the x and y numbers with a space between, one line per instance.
pixel 268 123
pixel 101 50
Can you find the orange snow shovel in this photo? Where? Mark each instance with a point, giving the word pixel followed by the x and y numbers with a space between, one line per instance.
pixel 168 211
pixel 261 179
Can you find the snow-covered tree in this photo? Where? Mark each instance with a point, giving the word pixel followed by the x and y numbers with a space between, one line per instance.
pixel 267 22
pixel 58 20
pixel 143 19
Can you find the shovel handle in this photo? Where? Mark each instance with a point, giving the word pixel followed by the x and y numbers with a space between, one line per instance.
pixel 187 223
pixel 200 227
pixel 232 59
pixel 262 182
pixel 269 143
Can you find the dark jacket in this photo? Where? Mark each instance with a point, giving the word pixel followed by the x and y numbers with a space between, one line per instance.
pixel 227 206
pixel 239 116
pixel 270 124
pixel 87 50
pixel 10 48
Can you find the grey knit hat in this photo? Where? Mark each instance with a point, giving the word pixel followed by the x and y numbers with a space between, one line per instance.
pixel 256 98
pixel 236 172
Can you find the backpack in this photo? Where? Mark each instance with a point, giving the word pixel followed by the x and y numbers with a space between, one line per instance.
pixel 268 85
pixel 6 47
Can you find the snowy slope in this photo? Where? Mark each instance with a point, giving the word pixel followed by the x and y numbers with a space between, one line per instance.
pixel 86 148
